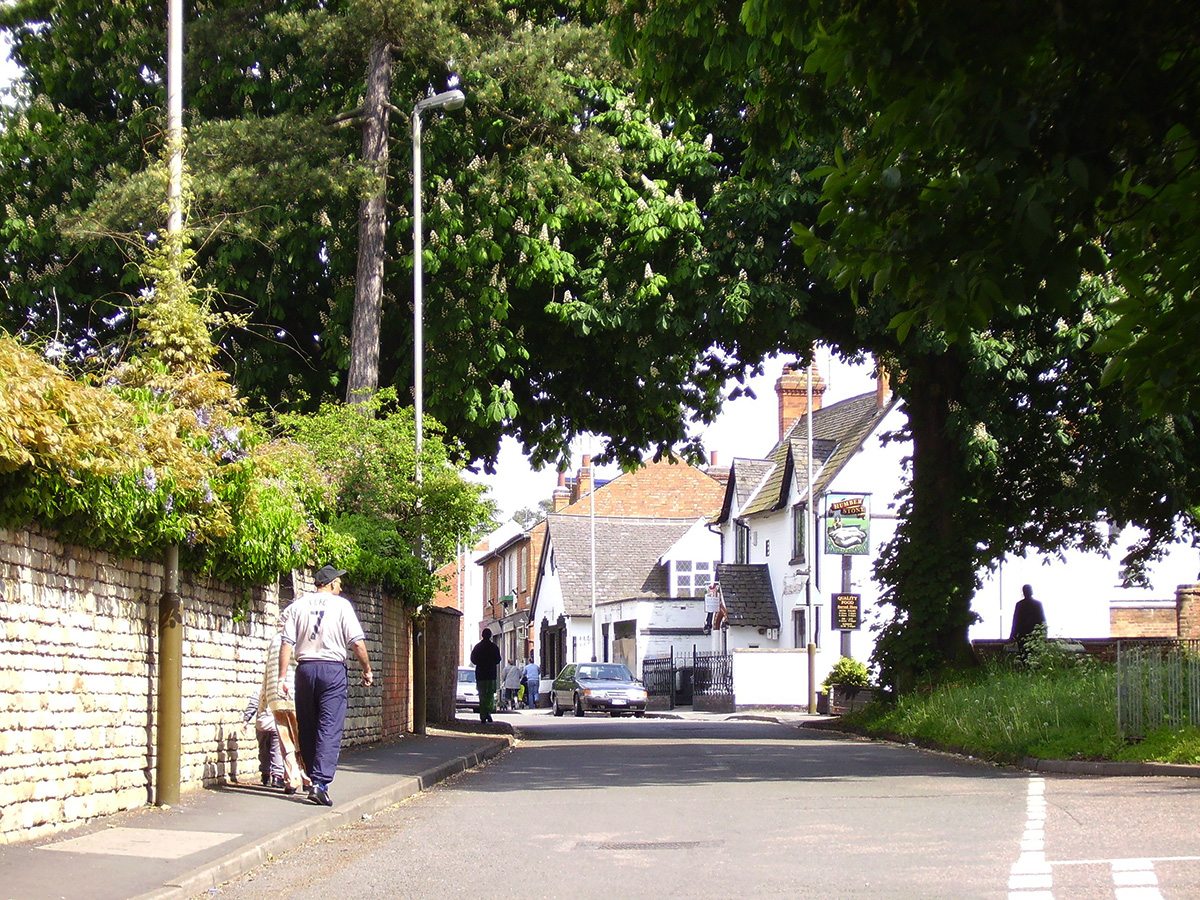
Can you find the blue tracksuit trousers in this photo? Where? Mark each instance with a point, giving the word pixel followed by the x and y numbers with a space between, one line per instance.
pixel 321 688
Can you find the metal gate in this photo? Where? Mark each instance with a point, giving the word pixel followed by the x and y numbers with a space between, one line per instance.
pixel 700 680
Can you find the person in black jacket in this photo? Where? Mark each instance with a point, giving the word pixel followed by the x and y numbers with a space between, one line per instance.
pixel 485 656
pixel 1027 616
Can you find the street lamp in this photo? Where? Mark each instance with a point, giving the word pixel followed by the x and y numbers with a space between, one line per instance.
pixel 445 100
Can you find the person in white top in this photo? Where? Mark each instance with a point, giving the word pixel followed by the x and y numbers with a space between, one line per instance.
pixel 320 628
pixel 533 680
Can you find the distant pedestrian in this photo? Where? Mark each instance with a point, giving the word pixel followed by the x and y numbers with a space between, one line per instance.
pixel 1027 616
pixel 511 685
pixel 533 679
pixel 321 627
pixel 485 656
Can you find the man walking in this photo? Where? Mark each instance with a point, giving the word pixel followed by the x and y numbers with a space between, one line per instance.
pixel 485 656
pixel 320 627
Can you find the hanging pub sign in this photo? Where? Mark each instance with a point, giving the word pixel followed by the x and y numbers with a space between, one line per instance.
pixel 847 612
pixel 848 524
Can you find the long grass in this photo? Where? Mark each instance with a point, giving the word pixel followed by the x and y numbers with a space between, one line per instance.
pixel 1006 714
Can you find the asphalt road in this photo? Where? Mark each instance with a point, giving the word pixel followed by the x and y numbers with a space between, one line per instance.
pixel 600 808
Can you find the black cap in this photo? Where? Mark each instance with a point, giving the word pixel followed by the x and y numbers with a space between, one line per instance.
pixel 326 575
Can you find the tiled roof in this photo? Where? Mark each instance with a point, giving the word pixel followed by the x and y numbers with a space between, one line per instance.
pixel 749 598
pixel 838 431
pixel 627 553
pixel 745 477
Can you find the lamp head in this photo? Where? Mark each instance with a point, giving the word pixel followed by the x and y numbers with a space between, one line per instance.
pixel 445 100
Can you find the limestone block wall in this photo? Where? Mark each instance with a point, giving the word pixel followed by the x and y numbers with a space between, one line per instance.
pixel 78 680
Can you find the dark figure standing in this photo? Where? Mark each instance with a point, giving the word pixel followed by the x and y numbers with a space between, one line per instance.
pixel 1027 616
pixel 485 656
pixel 321 628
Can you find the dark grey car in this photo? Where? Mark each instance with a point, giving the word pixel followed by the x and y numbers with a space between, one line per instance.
pixel 607 687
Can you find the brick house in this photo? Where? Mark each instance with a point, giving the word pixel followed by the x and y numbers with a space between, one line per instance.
pixel 653 558
pixel 508 575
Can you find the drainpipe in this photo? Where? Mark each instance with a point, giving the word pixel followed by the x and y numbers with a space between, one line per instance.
pixel 170 684
pixel 419 687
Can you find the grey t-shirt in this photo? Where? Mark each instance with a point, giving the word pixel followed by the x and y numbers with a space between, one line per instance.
pixel 321 625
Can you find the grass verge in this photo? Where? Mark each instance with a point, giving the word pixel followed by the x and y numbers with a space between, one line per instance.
pixel 1053 709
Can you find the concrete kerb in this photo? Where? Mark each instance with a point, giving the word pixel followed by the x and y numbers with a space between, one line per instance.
pixel 239 862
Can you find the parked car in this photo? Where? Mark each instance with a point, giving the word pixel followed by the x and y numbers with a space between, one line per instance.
pixel 466 696
pixel 607 687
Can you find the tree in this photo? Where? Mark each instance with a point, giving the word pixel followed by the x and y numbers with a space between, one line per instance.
pixel 560 213
pixel 973 174
pixel 965 195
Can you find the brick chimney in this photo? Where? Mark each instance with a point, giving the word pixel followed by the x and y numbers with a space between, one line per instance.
pixel 883 389
pixel 792 388
pixel 562 493
pixel 583 479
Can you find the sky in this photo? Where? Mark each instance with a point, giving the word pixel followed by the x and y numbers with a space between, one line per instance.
pixel 747 427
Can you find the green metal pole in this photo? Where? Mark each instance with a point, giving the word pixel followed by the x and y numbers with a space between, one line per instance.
pixel 170 684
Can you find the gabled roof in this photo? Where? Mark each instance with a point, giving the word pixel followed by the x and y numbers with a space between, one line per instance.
pixel 749 598
pixel 839 430
pixel 627 554
pixel 745 476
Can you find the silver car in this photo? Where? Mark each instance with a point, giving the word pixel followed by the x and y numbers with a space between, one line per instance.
pixel 466 696
pixel 607 687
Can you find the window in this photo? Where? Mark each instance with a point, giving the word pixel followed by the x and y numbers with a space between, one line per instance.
pixel 690 578
pixel 523 568
pixel 799 513
pixel 806 626
pixel 741 553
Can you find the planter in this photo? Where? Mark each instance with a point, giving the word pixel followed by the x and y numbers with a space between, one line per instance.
pixel 844 698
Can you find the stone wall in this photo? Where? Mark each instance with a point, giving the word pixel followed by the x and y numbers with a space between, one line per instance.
pixel 78 680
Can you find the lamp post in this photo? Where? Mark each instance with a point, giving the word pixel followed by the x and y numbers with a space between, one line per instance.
pixel 445 100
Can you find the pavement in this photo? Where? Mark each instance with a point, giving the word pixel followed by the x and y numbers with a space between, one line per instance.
pixel 216 834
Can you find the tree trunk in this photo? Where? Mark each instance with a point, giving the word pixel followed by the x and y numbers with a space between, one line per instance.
pixel 931 571
pixel 363 379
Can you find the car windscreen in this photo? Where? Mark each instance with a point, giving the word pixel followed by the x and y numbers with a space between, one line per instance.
pixel 605 673
pixel 467 675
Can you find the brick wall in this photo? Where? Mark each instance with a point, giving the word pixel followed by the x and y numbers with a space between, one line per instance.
pixel 396 671
pixel 1141 621
pixel 78 680
pixel 443 637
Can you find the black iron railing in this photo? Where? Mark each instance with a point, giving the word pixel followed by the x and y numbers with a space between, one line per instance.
pixel 689 679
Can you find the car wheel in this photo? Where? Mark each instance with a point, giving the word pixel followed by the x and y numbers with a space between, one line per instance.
pixel 554 705
pixel 578 706
pixel 639 714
